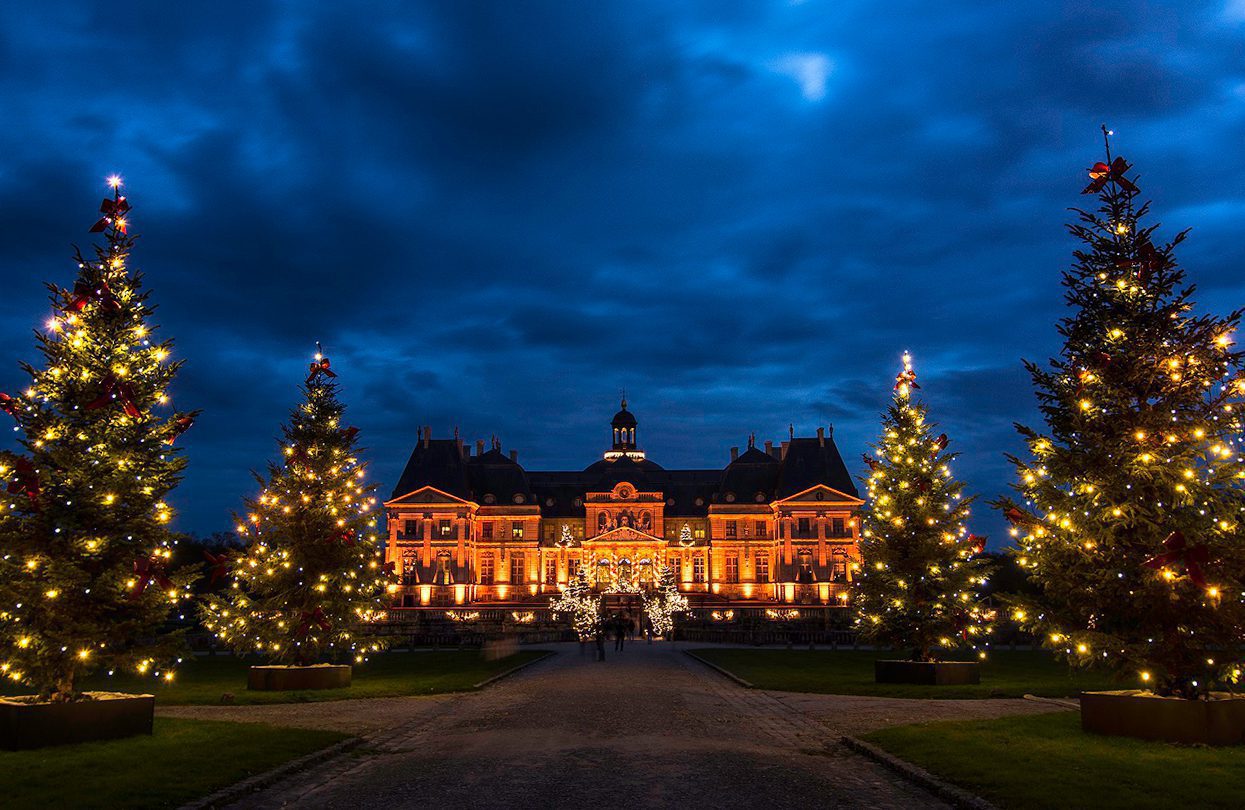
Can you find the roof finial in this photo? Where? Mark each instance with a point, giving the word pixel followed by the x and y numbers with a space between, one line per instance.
pixel 791 431
pixel 624 399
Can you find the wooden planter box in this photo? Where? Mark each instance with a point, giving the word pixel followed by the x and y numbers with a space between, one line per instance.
pixel 933 673
pixel 1133 713
pixel 279 678
pixel 25 723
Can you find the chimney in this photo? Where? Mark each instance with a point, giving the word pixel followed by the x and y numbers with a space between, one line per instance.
pixel 479 447
pixel 427 435
pixel 783 455
pixel 769 447
pixel 734 453
pixel 514 455
pixel 821 436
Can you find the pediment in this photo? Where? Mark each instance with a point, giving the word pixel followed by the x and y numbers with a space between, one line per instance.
pixel 427 495
pixel 820 493
pixel 624 534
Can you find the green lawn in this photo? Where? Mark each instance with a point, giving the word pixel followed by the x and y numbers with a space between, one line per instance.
pixel 1045 760
pixel 205 680
pixel 1006 673
pixel 181 761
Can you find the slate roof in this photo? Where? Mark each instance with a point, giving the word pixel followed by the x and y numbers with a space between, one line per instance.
pixel 493 478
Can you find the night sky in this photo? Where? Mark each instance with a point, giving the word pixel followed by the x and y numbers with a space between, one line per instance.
pixel 496 216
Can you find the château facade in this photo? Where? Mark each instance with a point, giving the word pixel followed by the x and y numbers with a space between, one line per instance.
pixel 777 525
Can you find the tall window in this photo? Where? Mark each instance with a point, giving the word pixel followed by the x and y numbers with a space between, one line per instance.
pixel 699 533
pixel 732 528
pixel 413 529
pixel 838 527
pixel 551 571
pixel 698 569
pixel 572 568
pixel 446 528
pixel 762 561
pixel 760 527
pixel 676 565
pixel 804 528
pixel 488 531
pixel 486 568
pixel 516 529
pixel 732 567
pixel 517 575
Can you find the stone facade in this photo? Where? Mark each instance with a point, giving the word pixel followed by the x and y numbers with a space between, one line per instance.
pixel 774 526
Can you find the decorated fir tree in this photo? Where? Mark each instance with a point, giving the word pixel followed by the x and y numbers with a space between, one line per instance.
pixel 579 603
pixel 665 602
pixel 311 577
pixel 1130 522
pixel 85 544
pixel 920 572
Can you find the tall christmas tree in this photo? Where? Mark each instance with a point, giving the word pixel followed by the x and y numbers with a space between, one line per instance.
pixel 1131 516
pixel 84 538
pixel 920 574
pixel 579 602
pixel 311 578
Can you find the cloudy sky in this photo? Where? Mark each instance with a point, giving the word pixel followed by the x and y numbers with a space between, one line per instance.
pixel 497 215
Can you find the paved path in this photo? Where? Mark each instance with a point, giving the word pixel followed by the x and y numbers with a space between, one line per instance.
pixel 649 727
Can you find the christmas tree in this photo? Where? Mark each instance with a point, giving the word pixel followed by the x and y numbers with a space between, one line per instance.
pixel 664 603
pixel 1130 523
pixel 579 602
pixel 84 538
pixel 311 578
pixel 920 574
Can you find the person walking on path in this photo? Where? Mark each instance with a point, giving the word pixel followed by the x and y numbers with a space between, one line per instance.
pixel 620 633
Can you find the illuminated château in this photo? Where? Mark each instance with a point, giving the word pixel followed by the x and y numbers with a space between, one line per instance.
pixel 776 525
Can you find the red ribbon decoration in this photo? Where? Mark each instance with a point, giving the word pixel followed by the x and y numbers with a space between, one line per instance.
pixel 349 433
pixel 26 480
pixel 977 542
pixel 179 427
pixel 1016 517
pixel 346 537
pixel 219 565
pixel 940 443
pixel 923 486
pixel 101 294
pixel 148 570
pixel 1179 550
pixel 871 461
pixel 112 210
pixel 315 617
pixel 114 389
pixel 320 367
pixel 8 404
pixel 1100 174
pixel 908 377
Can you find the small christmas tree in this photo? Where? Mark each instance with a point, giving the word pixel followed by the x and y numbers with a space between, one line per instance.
pixel 84 539
pixel 664 603
pixel 685 537
pixel 579 602
pixel 311 578
pixel 920 574
pixel 1130 523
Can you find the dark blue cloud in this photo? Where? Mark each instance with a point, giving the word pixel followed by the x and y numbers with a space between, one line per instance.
pixel 497 215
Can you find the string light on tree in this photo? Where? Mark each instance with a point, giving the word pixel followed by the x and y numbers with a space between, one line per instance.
pixel 86 581
pixel 579 603
pixel 921 573
pixel 1129 520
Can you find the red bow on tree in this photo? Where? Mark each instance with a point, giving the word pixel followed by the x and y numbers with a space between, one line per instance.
pixel 1100 174
pixel 114 389
pixel 906 377
pixel 8 404
pixel 870 460
pixel 940 443
pixel 345 536
pixel 1179 550
pixel 148 570
pixel 923 486
pixel 1102 358
pixel 299 456
pixel 25 481
pixel 349 433
pixel 1015 516
pixel 113 209
pixel 179 426
pixel 219 565
pixel 319 367
pixel 1149 260
pixel 101 294
pixel 315 617
pixel 977 543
